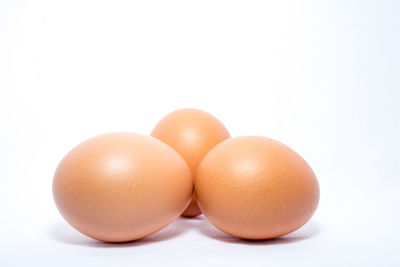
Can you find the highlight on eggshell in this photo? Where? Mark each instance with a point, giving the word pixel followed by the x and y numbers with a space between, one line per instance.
pixel 192 133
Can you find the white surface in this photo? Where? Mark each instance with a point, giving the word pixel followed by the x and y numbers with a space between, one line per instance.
pixel 320 76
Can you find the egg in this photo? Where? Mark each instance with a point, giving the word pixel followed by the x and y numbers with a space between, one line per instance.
pixel 192 133
pixel 256 188
pixel 120 187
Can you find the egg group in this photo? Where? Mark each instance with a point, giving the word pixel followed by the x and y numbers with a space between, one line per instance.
pixel 122 186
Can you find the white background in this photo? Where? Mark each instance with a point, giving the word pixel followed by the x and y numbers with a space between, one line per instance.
pixel 320 76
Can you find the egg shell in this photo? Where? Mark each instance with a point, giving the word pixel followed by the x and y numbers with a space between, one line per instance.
pixel 256 188
pixel 192 133
pixel 122 186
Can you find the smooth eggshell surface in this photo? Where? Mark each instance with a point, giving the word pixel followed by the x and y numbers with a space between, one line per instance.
pixel 256 188
pixel 192 133
pixel 122 186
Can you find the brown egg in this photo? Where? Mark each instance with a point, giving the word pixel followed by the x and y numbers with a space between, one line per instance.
pixel 256 188
pixel 192 133
pixel 122 186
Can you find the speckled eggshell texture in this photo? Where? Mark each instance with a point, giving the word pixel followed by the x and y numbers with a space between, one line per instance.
pixel 256 188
